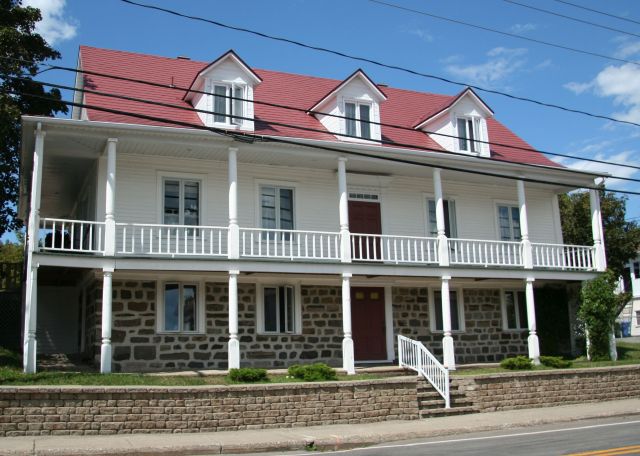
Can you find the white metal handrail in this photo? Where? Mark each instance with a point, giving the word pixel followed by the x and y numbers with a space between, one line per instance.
pixel 414 355
pixel 479 252
pixel 394 249
pixel 173 240
pixel 563 256
pixel 80 236
pixel 291 244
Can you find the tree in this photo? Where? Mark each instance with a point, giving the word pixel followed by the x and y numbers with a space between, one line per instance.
pixel 621 237
pixel 21 52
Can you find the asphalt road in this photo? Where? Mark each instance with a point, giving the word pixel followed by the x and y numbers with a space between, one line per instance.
pixel 603 437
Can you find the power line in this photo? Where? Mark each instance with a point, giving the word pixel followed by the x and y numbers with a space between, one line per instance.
pixel 385 65
pixel 628 19
pixel 570 18
pixel 251 137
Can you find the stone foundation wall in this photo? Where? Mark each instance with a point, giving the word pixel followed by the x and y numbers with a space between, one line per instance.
pixel 118 410
pixel 548 388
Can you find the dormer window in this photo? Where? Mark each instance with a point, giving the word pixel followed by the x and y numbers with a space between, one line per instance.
pixel 228 104
pixel 358 118
pixel 468 133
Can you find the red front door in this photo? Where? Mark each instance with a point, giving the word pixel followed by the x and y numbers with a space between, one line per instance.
pixel 364 218
pixel 368 323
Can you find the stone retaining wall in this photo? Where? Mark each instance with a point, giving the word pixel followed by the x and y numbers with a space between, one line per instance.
pixel 118 410
pixel 548 388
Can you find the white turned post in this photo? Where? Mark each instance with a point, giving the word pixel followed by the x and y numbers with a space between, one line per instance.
pixel 107 318
pixel 343 207
pixel 527 254
pixel 533 342
pixel 443 243
pixel 110 200
pixel 600 258
pixel 613 347
pixel 31 298
pixel 234 230
pixel 448 353
pixel 234 344
pixel 348 357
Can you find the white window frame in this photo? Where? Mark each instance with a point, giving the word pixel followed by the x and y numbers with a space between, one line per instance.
pixel 510 205
pixel 201 178
pixel 230 86
pixel 181 181
pixel 358 103
pixel 520 326
pixel 477 127
pixel 277 186
pixel 454 226
pixel 200 306
pixel 297 308
pixel 432 310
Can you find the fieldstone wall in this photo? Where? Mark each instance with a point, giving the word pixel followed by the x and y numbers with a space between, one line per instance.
pixel 548 388
pixel 117 410
pixel 483 339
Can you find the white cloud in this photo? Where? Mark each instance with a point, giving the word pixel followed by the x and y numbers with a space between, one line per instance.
pixel 502 62
pixel 54 26
pixel 523 28
pixel 614 168
pixel 423 34
pixel 578 87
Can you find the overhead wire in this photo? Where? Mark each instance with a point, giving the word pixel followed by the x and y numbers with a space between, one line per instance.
pixel 575 5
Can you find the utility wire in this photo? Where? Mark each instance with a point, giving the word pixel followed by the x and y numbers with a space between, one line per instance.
pixel 386 65
pixel 575 5
pixel 251 137
pixel 570 18
pixel 282 124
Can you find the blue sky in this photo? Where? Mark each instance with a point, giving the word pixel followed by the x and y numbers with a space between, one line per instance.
pixel 415 41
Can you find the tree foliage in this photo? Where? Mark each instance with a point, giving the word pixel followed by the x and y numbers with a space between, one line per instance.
pixel 12 252
pixel 621 237
pixel 21 51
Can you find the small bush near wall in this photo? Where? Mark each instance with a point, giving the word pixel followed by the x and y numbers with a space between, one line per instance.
pixel 555 362
pixel 516 363
pixel 248 375
pixel 317 372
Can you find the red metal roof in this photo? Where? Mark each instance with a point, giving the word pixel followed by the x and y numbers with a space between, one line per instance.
pixel 403 107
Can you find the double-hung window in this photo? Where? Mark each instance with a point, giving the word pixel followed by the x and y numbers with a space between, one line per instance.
pixel 468 128
pixel 514 310
pixel 181 202
pixel 180 308
pixel 509 222
pixel 450 226
pixel 455 309
pixel 278 309
pixel 276 209
pixel 358 118
pixel 228 106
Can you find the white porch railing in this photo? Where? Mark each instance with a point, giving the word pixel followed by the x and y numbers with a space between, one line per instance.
pixel 289 244
pixel 75 236
pixel 171 240
pixel 562 256
pixel 414 355
pixel 485 253
pixel 394 249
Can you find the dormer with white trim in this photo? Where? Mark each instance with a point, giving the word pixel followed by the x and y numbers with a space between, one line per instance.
pixel 356 101
pixel 462 124
pixel 229 85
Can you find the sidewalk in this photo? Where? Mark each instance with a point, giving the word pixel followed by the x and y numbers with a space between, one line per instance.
pixel 323 437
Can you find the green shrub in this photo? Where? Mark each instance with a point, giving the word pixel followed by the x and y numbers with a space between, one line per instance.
pixel 555 362
pixel 9 358
pixel 247 375
pixel 317 372
pixel 517 363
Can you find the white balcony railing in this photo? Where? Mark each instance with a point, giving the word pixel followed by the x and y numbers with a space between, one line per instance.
pixel 485 253
pixel 74 236
pixel 170 240
pixel 394 249
pixel 289 244
pixel 562 256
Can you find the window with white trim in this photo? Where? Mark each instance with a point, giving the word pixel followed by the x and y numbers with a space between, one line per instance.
pixel 637 318
pixel 468 132
pixel 514 310
pixel 509 223
pixel 450 224
pixel 358 119
pixel 456 308
pixel 276 208
pixel 179 308
pixel 227 103
pixel 181 201
pixel 278 309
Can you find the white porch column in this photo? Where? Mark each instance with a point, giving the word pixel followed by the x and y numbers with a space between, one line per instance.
pixel 597 231
pixel 448 353
pixel 234 344
pixel 233 243
pixel 443 244
pixel 343 206
pixel 31 298
pixel 527 254
pixel 110 201
pixel 534 344
pixel 348 358
pixel 107 318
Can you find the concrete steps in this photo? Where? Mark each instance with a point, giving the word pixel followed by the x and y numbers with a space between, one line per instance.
pixel 431 404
